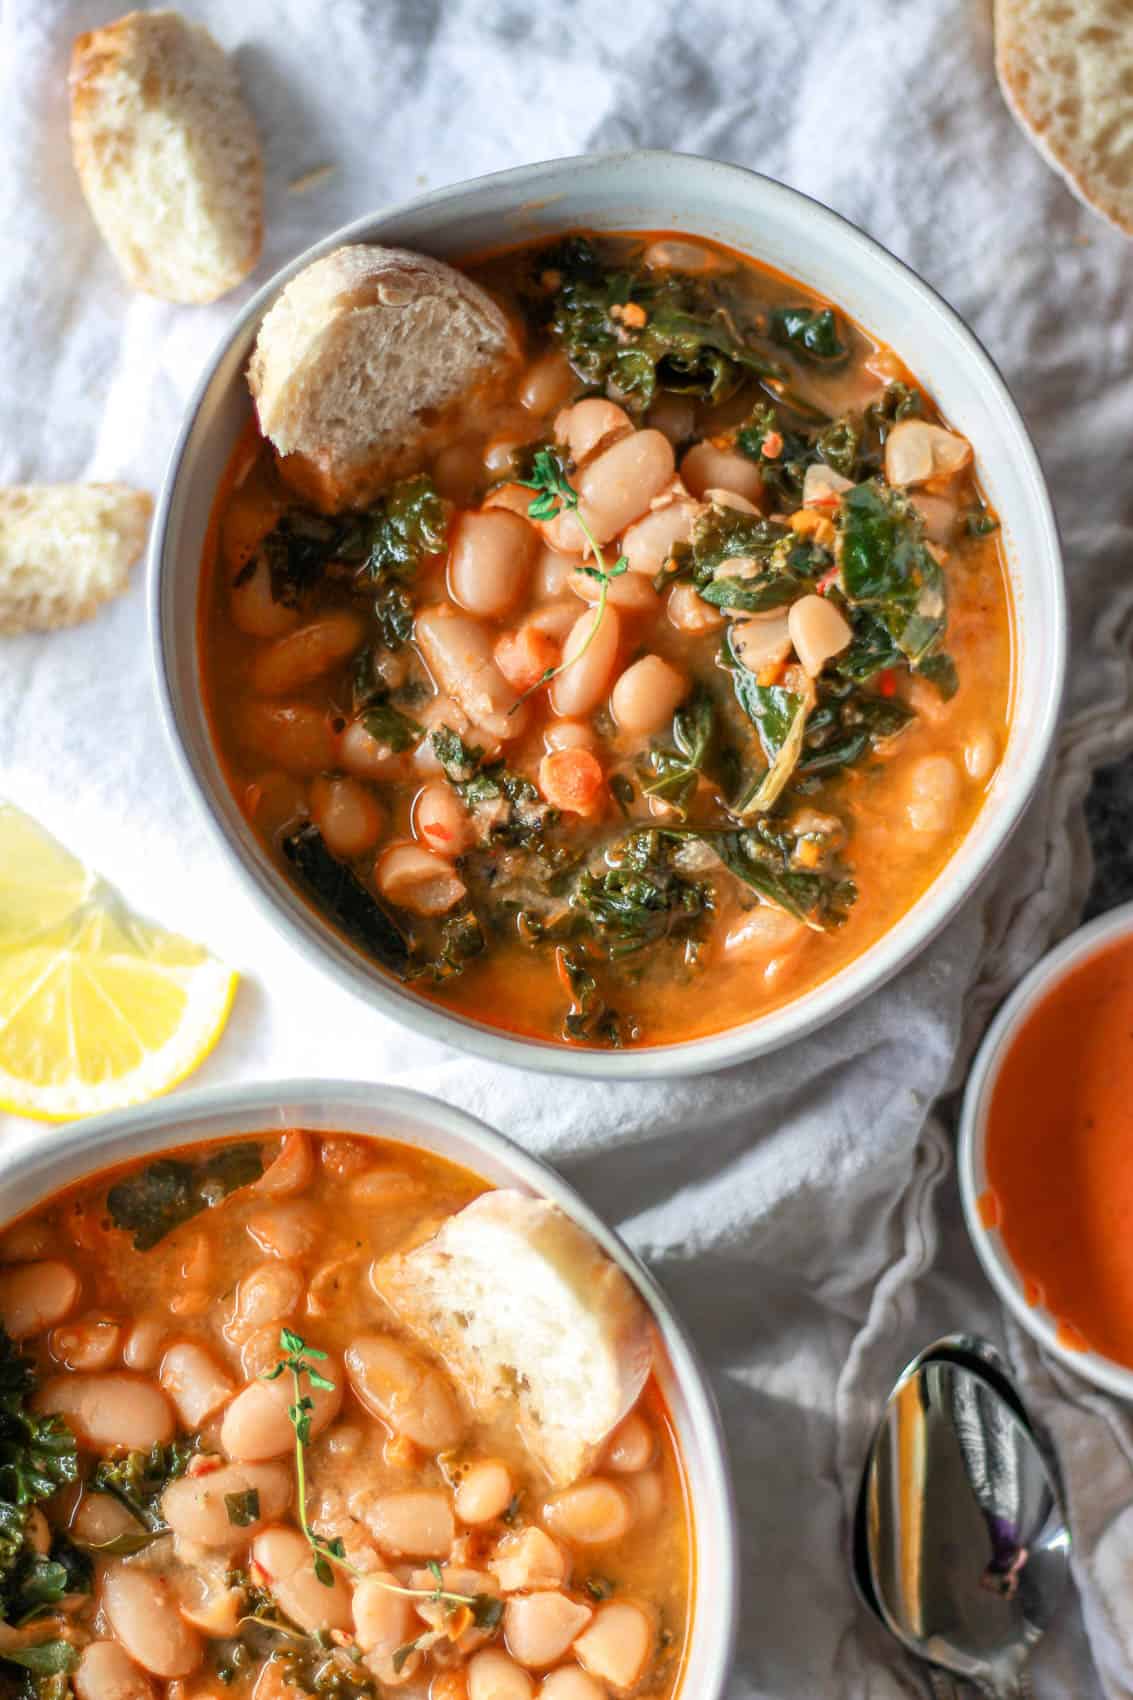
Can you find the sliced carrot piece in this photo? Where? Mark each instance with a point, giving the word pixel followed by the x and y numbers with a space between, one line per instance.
pixel 573 780
pixel 523 656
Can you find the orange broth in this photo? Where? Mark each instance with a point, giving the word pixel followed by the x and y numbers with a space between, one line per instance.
pixel 1059 1154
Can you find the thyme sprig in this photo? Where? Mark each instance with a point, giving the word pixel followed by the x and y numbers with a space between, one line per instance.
pixel 555 494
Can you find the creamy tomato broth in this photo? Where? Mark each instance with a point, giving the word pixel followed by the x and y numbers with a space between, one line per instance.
pixel 179 1549
pixel 663 690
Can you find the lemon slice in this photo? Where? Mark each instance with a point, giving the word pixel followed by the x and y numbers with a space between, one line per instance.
pixel 98 1008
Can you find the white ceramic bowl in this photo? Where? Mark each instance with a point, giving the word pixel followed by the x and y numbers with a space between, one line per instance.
pixel 798 236
pixel 371 1111
pixel 990 1248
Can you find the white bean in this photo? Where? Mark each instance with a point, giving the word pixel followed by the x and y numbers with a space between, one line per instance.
pixel 590 1513
pixel 630 591
pixel 307 653
pixel 631 1446
pixel 442 821
pixel 195 1382
pixel 569 735
pixel 818 631
pixel 296 736
pixel 550 574
pixel 365 756
pixel 933 795
pixel 646 696
pixel 287 1230
pixel 410 1394
pixel 35 1296
pixel 100 1518
pixel 144 1343
pixel 490 565
pixel 285 1559
pixel 569 1682
pixel 916 450
pixel 256 1425
pixel 108 1412
pixel 484 1491
pixel 383 1620
pixel 646 1490
pixel 939 516
pixel 555 618
pixel 529 1559
pixel 617 487
pixel 980 754
pixel 590 424
pixel 540 1628
pixel 547 383
pixel 195 1509
pixel 456 473
pixel 92 1342
pixel 762 640
pixel 648 544
pixel 142 1609
pixel 706 467
pixel 348 815
pixel 823 487
pixel 417 1523
pixel 291 1170
pixel 253 608
pixel 689 612
pixel 584 681
pixel 458 651
pixel 26 1241
pixel 417 879
pixel 270 1292
pixel 493 1676
pixel 763 932
pixel 107 1672
pixel 616 1646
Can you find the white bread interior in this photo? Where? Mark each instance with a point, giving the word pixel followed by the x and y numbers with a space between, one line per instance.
pixel 359 360
pixel 167 154
pixel 65 549
pixel 1065 67
pixel 532 1319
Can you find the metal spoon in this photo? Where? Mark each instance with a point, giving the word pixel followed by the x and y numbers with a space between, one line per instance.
pixel 968 1553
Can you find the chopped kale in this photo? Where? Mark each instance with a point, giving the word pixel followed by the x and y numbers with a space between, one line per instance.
pixel 342 897
pixel 940 670
pixel 461 940
pixel 163 1195
pixel 846 724
pixel 139 1479
pixel 409 524
pixel 811 333
pixel 589 1018
pixel 840 446
pixel 641 899
pixel 888 569
pixel 779 716
pixel 243 1508
pixel 761 856
pixel 785 563
pixel 638 331
pixel 673 774
pixel 389 727
pixel 37 1454
pixel 898 401
pixel 979 523
pixel 297 551
pixel 525 817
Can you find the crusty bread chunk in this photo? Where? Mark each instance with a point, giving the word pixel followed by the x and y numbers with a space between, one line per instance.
pixel 65 549
pixel 167 154
pixel 360 359
pixel 1065 68
pixel 532 1319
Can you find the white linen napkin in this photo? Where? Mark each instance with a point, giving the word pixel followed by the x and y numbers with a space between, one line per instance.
pixel 800 1211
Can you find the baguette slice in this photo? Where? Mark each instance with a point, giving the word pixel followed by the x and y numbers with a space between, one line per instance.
pixel 1065 71
pixel 167 154
pixel 360 358
pixel 65 549
pixel 534 1322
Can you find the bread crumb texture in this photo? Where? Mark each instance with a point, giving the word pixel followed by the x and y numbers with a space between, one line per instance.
pixel 360 360
pixel 65 549
pixel 1066 70
pixel 168 155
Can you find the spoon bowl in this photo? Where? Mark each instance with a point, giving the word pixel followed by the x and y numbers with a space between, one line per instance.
pixel 967 1546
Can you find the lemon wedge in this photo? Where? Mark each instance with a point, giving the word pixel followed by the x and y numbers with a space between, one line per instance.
pixel 98 1008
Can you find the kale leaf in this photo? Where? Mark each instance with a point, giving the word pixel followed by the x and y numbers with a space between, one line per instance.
pixel 679 333
pixel 37 1454
pixel 340 895
pixel 390 727
pixel 888 569
pixel 785 563
pixel 847 724
pixel 297 550
pixel 461 940
pixel 761 857
pixel 589 1018
pixel 641 899
pixel 409 524
pixel 139 1479
pixel 779 716
pixel 673 774
pixel 811 333
pixel 163 1195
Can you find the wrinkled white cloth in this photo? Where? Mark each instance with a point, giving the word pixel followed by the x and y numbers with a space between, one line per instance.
pixel 801 1211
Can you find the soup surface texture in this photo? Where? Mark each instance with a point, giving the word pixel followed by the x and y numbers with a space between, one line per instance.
pixel 228 1467
pixel 1058 1155
pixel 665 687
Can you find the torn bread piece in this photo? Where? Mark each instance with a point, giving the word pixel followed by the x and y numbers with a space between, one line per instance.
pixel 1065 73
pixel 531 1317
pixel 167 154
pixel 65 549
pixel 360 359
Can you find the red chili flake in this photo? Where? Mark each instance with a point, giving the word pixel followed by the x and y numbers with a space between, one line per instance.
pixel 772 446
pixel 826 581
pixel 887 682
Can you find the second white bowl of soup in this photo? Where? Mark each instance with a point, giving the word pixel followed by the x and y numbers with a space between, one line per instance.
pixel 677 697
pixel 340 1387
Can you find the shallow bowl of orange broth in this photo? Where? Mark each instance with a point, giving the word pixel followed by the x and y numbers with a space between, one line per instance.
pixel 790 235
pixel 1046 1152
pixel 684 1556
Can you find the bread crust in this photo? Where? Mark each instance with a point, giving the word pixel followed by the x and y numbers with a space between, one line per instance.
pixel 363 362
pixel 1060 70
pixel 65 549
pixel 167 154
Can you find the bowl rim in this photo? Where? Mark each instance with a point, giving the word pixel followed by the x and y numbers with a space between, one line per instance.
pixel 166 1123
pixel 320 945
pixel 1050 971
